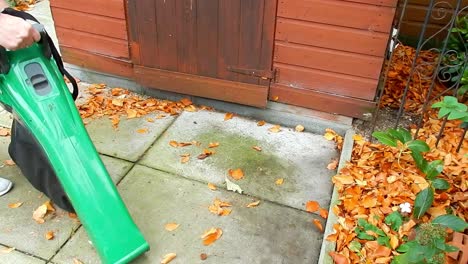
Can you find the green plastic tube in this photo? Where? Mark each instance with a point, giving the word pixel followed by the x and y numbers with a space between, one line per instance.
pixel 40 99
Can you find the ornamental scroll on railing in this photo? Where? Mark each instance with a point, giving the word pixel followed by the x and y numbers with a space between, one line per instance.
pixel 426 81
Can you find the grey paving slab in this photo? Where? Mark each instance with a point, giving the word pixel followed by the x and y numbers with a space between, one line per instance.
pixel 299 158
pixel 125 142
pixel 18 229
pixel 15 257
pixel 269 233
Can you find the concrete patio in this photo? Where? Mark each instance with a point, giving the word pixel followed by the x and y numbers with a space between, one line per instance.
pixel 159 189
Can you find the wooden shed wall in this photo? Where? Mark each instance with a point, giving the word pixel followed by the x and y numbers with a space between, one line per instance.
pixel 329 53
pixel 93 34
pixel 416 13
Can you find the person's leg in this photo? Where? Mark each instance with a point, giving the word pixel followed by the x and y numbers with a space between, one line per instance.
pixel 31 159
pixel 5 186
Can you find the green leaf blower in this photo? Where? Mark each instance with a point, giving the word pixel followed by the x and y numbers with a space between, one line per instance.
pixel 33 86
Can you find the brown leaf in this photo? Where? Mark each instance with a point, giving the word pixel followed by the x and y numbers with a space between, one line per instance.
pixel 117 102
pixel 257 148
pixel 9 162
pixel 185 159
pixel 329 135
pixel 253 204
pixel 338 258
pixel 4 132
pixel 299 128
pixel 210 236
pixel 275 98
pixel 131 113
pixel 236 174
pixel 213 144
pixel 171 226
pixel 77 261
pixel 174 143
pixel 149 119
pixel 318 224
pixel 39 213
pixel 261 123
pixel 8 250
pixel 186 101
pixel 332 165
pixel 343 179
pixel 323 213
pixel 168 258
pixel 312 206
pixel 228 116
pixel 279 181
pixel 212 187
pixel 72 215
pixel 49 235
pixel 15 205
pixel 275 129
pixel 142 130
pixel 203 256
pixel 50 206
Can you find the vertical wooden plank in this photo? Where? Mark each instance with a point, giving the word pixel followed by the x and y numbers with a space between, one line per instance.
pixel 228 51
pixel 167 34
pixel 207 37
pixel 250 37
pixel 133 33
pixel 145 22
pixel 186 23
pixel 268 33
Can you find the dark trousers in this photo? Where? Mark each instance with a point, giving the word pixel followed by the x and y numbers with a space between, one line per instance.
pixel 33 163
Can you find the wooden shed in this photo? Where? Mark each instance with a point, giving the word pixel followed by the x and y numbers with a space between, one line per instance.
pixel 321 54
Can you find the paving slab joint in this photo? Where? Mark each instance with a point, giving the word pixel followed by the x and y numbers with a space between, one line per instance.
pixel 328 246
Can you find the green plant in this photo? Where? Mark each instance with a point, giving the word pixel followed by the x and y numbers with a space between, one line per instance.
pixel 401 138
pixel 453 110
pixel 429 246
pixel 368 231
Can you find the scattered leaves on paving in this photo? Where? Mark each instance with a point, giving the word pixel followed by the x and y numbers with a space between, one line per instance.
pixel 230 186
pixel 318 224
pixel 171 226
pixel 333 165
pixel 217 207
pixel 236 174
pixel 210 236
pixel 312 206
pixel 275 129
pixel 279 181
pixel 257 148
pixel 300 128
pixel 253 204
pixel 261 123
pixel 206 153
pixel 50 235
pixel 15 205
pixel 228 116
pixel 212 187
pixel 168 258
pixel 4 132
pixel 9 162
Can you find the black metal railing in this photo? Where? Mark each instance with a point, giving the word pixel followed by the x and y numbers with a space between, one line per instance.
pixel 436 66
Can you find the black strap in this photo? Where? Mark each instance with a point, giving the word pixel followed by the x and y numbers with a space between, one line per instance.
pixel 55 54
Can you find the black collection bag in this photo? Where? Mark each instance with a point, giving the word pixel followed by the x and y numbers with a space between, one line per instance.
pixel 26 152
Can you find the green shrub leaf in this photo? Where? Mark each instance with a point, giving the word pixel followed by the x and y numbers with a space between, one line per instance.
pixel 394 220
pixel 433 169
pixel 440 184
pixel 451 221
pixel 385 138
pixel 423 202
pixel 418 146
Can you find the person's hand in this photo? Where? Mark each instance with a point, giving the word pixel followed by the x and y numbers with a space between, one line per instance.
pixel 16 33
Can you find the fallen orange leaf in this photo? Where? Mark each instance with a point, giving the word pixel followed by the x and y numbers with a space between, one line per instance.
pixel 9 162
pixel 4 132
pixel 174 143
pixel 275 129
pixel 77 261
pixel 329 135
pixel 358 137
pixel 15 205
pixel 185 159
pixel 8 250
pixel 279 181
pixel 323 213
pixel 186 101
pixel 253 204
pixel 212 187
pixel 151 120
pixel 142 130
pixel 213 144
pixel 318 224
pixel 210 236
pixel 203 256
pixel 228 116
pixel 168 258
pixel 338 258
pixel 39 213
pixel 332 165
pixel 261 123
pixel 171 226
pixel 275 98
pixel 236 174
pixel 131 113
pixel 312 206
pixel 49 235
pixel 300 128
pixel 257 148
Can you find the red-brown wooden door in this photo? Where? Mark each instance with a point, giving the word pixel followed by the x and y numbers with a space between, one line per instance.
pixel 219 49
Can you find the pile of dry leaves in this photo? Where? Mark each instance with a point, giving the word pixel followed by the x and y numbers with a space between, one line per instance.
pixel 376 182
pixel 420 81
pixel 117 102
